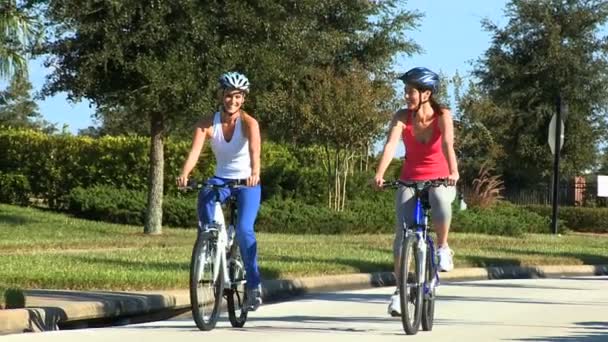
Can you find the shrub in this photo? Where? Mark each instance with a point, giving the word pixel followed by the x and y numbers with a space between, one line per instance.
pixel 486 189
pixel 103 203
pixel 502 218
pixel 579 219
pixel 11 298
pixel 14 189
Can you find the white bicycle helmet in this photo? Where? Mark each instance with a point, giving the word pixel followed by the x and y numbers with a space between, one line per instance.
pixel 234 80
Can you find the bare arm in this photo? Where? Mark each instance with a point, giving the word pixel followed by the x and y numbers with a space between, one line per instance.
pixel 201 131
pixel 252 132
pixel 394 132
pixel 446 125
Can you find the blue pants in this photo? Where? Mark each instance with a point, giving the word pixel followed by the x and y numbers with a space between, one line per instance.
pixel 248 204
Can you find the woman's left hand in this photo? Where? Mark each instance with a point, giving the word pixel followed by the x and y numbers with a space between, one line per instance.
pixel 453 178
pixel 253 180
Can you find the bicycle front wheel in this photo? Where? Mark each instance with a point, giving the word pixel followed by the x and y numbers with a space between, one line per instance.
pixel 205 291
pixel 235 295
pixel 410 281
pixel 428 304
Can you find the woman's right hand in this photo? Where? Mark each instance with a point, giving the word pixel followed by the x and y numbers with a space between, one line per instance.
pixel 182 181
pixel 378 182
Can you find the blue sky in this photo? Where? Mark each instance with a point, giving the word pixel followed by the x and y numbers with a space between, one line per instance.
pixel 450 34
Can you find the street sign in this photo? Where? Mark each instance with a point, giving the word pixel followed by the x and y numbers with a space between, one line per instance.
pixel 551 138
pixel 602 186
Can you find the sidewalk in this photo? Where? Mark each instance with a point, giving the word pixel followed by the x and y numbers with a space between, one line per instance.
pixel 52 309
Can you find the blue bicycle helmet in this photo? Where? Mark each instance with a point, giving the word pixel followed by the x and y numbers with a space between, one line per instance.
pixel 422 79
pixel 234 80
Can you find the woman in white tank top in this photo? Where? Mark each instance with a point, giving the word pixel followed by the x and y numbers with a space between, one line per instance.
pixel 235 141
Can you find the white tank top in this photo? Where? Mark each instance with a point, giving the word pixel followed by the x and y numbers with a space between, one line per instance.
pixel 232 158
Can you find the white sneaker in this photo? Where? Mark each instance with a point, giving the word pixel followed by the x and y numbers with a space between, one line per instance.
pixel 445 255
pixel 253 298
pixel 394 307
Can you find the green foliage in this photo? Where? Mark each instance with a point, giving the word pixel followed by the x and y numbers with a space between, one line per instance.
pixel 19 31
pixel 17 108
pixel 56 164
pixel 294 217
pixel 580 219
pixel 500 219
pixel 547 48
pixel 102 203
pixel 14 189
pixel 13 298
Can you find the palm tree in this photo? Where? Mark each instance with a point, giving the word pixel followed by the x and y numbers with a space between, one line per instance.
pixel 17 34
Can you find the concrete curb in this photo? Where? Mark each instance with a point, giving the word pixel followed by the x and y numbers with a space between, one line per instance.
pixel 51 309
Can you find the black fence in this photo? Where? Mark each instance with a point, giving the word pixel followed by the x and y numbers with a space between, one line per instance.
pixel 569 194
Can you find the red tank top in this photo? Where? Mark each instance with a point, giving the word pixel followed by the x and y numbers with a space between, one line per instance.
pixel 425 161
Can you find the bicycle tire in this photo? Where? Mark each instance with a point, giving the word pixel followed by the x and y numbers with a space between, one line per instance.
pixel 235 295
pixel 409 290
pixel 428 304
pixel 203 291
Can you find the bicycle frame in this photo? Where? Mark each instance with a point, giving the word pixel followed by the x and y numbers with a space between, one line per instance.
pixel 421 231
pixel 224 241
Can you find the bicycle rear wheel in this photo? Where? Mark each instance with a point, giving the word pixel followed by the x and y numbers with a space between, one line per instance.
pixel 428 303
pixel 409 286
pixel 205 292
pixel 235 295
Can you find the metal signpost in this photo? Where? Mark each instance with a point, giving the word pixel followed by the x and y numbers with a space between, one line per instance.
pixel 556 141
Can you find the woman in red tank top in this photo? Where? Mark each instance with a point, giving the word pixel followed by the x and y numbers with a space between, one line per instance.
pixel 428 134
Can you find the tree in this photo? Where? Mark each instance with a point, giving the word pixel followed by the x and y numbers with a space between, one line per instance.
pixel 150 58
pixel 332 34
pixel 18 33
pixel 343 112
pixel 160 60
pixel 17 108
pixel 603 162
pixel 548 48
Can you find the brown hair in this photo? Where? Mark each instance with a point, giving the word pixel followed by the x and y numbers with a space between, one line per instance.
pixel 437 107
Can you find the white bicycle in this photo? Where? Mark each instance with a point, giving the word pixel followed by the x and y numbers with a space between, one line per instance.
pixel 216 267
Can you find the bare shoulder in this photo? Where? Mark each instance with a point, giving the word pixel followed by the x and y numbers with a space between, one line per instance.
pixel 249 120
pixel 445 119
pixel 445 112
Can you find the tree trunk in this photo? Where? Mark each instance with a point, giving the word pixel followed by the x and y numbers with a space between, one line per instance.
pixel 336 204
pixel 345 173
pixel 329 178
pixel 154 212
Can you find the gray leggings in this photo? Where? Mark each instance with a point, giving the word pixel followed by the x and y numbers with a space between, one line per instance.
pixel 440 198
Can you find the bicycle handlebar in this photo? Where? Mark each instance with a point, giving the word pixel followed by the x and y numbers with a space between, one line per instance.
pixel 416 184
pixel 193 185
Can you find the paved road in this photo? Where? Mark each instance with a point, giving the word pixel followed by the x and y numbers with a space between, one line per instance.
pixel 562 310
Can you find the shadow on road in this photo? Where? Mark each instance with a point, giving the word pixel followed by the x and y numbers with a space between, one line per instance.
pixel 589 332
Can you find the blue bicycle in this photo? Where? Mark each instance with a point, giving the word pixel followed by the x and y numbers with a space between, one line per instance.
pixel 418 275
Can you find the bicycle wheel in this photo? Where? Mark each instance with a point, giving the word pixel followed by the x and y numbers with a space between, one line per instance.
pixel 428 303
pixel 409 291
pixel 235 295
pixel 205 292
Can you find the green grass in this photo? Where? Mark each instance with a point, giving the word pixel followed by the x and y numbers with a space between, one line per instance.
pixel 41 249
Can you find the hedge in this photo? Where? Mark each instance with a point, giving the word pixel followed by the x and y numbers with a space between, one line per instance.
pixel 103 203
pixel 503 218
pixel 374 215
pixel 11 298
pixel 581 219
pixel 55 164
pixel 14 189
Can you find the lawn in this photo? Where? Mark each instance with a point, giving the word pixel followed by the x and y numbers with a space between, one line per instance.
pixel 40 249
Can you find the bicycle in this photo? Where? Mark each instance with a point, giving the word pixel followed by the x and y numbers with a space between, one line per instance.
pixel 417 284
pixel 216 267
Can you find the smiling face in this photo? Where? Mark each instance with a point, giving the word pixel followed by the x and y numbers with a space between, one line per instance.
pixel 233 100
pixel 414 97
